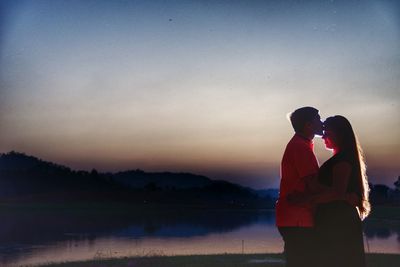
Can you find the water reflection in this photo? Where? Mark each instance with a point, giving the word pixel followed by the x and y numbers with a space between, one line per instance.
pixel 382 229
pixel 38 237
pixel 382 235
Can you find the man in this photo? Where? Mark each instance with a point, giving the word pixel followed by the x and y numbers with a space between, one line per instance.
pixel 295 222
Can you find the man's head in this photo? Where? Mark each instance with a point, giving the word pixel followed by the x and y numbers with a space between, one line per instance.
pixel 306 121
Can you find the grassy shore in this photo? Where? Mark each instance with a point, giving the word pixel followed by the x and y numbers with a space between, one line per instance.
pixel 223 260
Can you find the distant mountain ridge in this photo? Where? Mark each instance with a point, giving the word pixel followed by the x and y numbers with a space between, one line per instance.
pixel 19 161
pixel 139 179
pixel 13 162
pixel 27 177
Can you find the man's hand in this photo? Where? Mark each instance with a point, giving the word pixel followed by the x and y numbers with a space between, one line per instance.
pixel 298 198
pixel 312 183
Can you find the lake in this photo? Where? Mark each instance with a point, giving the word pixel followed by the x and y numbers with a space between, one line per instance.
pixel 35 237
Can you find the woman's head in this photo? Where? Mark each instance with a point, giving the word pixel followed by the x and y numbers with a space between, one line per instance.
pixel 339 136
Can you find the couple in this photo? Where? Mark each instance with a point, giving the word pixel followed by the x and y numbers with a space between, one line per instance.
pixel 319 209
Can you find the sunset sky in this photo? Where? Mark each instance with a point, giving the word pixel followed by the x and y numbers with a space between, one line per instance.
pixel 196 86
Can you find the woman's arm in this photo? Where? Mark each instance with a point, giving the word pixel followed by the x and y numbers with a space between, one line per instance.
pixel 341 172
pixel 318 193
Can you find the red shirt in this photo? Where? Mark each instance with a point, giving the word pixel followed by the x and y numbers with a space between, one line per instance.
pixel 298 162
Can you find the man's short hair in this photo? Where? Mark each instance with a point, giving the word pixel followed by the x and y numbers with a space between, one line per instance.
pixel 301 116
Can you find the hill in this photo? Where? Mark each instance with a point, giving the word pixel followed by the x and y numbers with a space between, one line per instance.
pixel 141 179
pixel 27 178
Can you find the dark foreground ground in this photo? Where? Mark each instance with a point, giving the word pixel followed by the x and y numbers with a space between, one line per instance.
pixel 224 260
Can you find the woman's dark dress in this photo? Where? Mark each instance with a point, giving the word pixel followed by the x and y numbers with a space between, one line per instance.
pixel 338 225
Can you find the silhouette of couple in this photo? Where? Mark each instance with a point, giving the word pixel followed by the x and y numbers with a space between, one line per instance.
pixel 320 209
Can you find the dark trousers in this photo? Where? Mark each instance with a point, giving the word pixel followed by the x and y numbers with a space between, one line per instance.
pixel 299 246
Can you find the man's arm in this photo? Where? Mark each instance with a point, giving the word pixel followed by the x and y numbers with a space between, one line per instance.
pixel 305 197
pixel 312 184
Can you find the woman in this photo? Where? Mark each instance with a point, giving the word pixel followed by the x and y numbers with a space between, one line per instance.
pixel 338 223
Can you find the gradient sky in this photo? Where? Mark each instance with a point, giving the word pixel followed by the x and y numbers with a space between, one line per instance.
pixel 198 86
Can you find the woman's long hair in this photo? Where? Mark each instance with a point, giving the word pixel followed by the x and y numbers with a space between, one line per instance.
pixel 348 143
